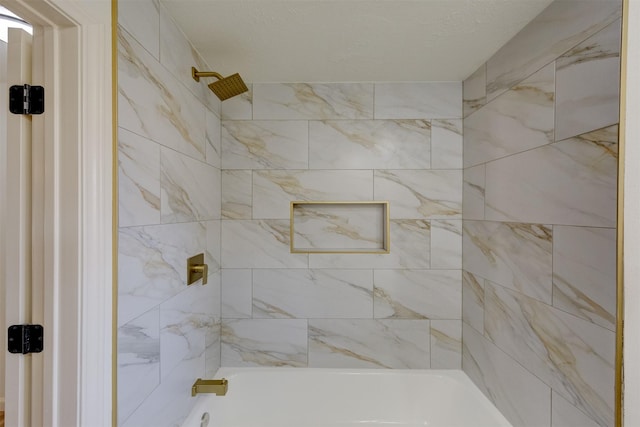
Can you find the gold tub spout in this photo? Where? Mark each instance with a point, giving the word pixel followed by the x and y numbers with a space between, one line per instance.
pixel 219 387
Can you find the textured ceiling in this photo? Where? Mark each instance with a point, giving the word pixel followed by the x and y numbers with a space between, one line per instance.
pixel 350 40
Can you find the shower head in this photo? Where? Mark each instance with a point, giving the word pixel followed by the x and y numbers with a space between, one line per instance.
pixel 225 87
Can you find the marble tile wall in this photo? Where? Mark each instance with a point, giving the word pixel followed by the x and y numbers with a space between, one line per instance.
pixel 539 197
pixel 342 141
pixel 169 209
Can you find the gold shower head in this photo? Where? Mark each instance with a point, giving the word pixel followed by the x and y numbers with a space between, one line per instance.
pixel 225 87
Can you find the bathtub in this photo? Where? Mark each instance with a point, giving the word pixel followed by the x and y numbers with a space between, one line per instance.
pixel 290 397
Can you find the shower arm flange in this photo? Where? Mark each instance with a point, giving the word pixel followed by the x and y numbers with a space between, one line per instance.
pixel 197 74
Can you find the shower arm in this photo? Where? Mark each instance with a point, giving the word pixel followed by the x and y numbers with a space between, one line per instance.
pixel 197 74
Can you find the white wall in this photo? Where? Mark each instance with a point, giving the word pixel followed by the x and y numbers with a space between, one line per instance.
pixel 3 156
pixel 632 221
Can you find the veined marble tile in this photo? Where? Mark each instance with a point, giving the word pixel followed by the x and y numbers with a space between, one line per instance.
pixel 212 351
pixel 446 144
pixel 141 18
pixel 369 144
pixel 237 293
pixel 213 148
pixel 520 396
pixel 417 294
pixel 213 254
pixel 368 343
pixel 519 120
pixel 571 355
pixel 588 84
pixel 264 342
pixel 564 414
pixel 178 56
pixel 474 91
pixel 302 293
pixel 239 107
pixel 420 193
pixel 518 256
pixel 473 301
pixel 153 104
pixel 446 344
pixel 584 273
pixel 569 182
pixel 185 321
pixel 274 189
pixel 190 188
pixel 265 144
pixel 312 101
pixel 410 243
pixel 339 227
pixel 473 192
pixel 138 180
pixel 560 27
pixel 446 244
pixel 418 100
pixel 138 361
pixel 171 401
pixel 237 194
pixel 259 244
pixel 151 264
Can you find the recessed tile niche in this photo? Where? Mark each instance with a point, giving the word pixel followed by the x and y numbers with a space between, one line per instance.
pixel 340 227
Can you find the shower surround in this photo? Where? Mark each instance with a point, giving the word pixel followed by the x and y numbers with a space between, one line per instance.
pixel 529 313
pixel 540 158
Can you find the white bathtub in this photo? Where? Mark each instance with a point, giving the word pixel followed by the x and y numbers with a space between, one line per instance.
pixel 289 397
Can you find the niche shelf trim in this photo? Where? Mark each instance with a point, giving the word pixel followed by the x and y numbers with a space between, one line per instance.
pixel 339 227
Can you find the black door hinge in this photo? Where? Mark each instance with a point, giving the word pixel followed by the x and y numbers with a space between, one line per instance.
pixel 26 99
pixel 25 339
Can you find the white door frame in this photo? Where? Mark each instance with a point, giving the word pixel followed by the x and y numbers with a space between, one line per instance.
pixel 77 376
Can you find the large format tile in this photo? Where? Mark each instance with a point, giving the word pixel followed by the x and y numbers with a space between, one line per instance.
pixel 138 180
pixel 418 100
pixel 584 273
pixel 368 343
pixel 369 144
pixel 446 344
pixel 237 195
pixel 274 189
pixel 178 56
pixel 185 321
pixel 190 189
pixel 473 192
pixel 564 414
pixel 312 101
pixel 302 293
pixel 213 255
pixel 138 361
pixel 212 133
pixel 446 144
pixel 588 84
pixel 473 301
pixel 420 193
pixel 517 256
pixel 264 342
pixel 521 397
pixel 259 244
pixel 446 244
pixel 237 293
pixel 410 243
pixel 153 104
pixel 560 27
pixel 571 355
pixel 265 144
pixel 569 182
pixel 417 294
pixel 151 264
pixel 474 91
pixel 239 107
pixel 141 18
pixel 521 119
